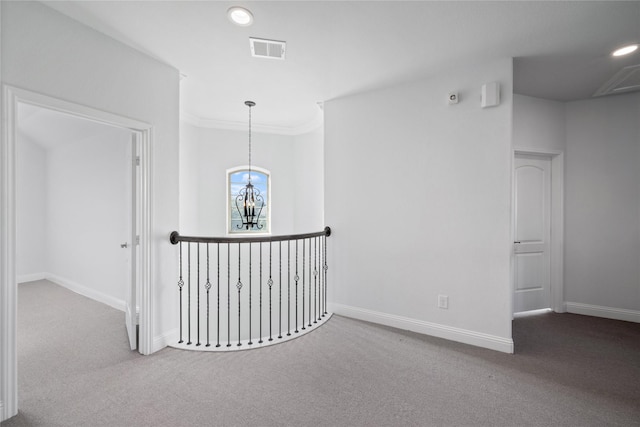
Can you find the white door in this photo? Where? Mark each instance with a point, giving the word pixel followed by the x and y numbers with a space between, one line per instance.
pixel 532 234
pixel 130 245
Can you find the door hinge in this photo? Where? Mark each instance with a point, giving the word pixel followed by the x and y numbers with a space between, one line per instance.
pixel 138 161
pixel 137 240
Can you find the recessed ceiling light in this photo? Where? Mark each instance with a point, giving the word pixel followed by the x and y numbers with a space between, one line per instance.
pixel 240 16
pixel 625 50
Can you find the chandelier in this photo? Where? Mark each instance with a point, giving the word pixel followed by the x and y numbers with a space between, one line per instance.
pixel 249 201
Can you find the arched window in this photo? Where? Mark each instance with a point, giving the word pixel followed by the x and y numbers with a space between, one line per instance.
pixel 236 180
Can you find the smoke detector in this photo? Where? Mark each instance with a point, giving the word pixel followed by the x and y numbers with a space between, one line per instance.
pixel 263 48
pixel 625 80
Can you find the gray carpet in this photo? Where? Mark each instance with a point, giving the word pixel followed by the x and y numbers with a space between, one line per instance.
pixel 75 370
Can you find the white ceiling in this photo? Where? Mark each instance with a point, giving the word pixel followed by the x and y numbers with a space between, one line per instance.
pixel 337 48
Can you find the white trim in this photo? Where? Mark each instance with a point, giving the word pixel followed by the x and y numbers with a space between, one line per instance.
pixel 256 344
pixel 310 126
pixel 529 313
pixel 165 340
pixel 145 223
pixel 24 278
pixel 103 298
pixel 8 297
pixel 8 287
pixel 557 223
pixel 465 336
pixel 602 311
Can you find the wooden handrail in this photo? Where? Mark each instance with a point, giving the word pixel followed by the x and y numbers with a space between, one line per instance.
pixel 175 238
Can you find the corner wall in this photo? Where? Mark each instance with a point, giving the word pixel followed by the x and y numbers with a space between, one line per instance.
pixel 418 195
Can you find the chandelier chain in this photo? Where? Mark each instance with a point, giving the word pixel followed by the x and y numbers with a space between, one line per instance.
pixel 249 144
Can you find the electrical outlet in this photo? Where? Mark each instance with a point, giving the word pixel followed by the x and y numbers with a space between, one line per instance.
pixel 443 301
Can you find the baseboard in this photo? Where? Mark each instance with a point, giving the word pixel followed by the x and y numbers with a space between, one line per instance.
pixel 23 278
pixel 602 311
pixel 164 340
pixel 87 292
pixel 465 336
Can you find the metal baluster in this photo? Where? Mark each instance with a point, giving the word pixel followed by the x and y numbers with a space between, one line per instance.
pixel 189 294
pixel 180 286
pixel 296 278
pixel 198 299
pixel 325 268
pixel 310 253
pixel 304 258
pixel 260 341
pixel 218 338
pixel 250 343
pixel 289 288
pixel 270 283
pixel 280 291
pixel 315 280
pixel 208 287
pixel 239 286
pixel 228 294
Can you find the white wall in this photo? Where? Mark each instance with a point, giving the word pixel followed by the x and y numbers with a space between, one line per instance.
pixel 189 182
pixel 46 52
pixel 538 124
pixel 207 153
pixel 418 196
pixel 603 206
pixel 309 181
pixel 87 214
pixel 30 210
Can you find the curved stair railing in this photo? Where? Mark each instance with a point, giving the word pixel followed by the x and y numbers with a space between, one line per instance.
pixel 237 293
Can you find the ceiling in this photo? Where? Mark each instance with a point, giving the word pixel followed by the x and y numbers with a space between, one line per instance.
pixel 337 48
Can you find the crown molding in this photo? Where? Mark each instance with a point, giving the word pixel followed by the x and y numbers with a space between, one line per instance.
pixel 201 122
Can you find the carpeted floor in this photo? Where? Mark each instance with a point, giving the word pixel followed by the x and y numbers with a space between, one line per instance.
pixel 75 369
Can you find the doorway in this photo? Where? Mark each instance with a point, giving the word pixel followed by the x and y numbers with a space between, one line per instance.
pixel 537 256
pixel 76 206
pixel 12 98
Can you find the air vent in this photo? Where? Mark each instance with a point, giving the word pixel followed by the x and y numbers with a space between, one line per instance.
pixel 272 49
pixel 625 80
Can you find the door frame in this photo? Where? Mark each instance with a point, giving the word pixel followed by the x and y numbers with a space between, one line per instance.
pixel 556 246
pixel 11 98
